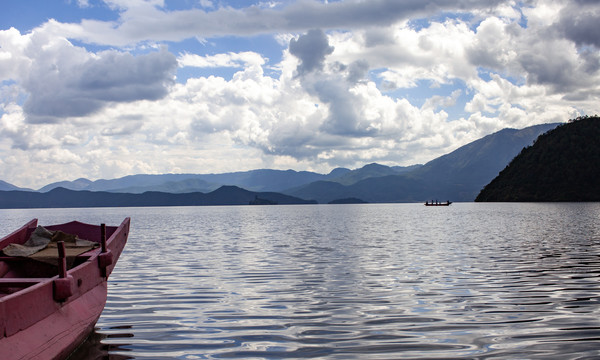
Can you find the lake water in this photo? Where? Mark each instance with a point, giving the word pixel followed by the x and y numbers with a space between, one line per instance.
pixel 373 281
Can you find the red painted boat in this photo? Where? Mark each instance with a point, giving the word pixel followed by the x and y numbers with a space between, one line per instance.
pixel 49 303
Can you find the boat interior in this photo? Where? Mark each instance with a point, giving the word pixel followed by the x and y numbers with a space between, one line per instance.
pixel 20 272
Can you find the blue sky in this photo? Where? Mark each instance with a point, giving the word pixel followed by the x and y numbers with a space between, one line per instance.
pixel 104 89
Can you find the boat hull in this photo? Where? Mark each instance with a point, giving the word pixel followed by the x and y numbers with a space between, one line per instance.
pixel 60 333
pixel 35 323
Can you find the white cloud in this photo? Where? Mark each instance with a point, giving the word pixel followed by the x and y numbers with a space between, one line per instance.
pixel 62 80
pixel 206 3
pixel 235 60
pixel 13 60
pixel 333 101
pixel 407 55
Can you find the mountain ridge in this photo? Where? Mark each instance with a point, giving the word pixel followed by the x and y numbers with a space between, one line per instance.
pixel 4 186
pixel 456 176
pixel 562 165
pixel 65 198
pixel 253 180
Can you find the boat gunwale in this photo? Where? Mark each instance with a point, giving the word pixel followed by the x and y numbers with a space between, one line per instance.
pixel 30 225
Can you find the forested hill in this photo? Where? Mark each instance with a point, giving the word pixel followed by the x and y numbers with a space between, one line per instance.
pixel 562 165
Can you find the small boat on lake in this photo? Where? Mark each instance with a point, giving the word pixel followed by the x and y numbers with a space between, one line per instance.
pixel 53 286
pixel 437 203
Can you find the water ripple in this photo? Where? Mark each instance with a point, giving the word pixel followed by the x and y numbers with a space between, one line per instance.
pixel 472 281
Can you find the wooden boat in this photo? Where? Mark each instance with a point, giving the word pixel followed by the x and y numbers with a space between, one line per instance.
pixel 436 203
pixel 51 300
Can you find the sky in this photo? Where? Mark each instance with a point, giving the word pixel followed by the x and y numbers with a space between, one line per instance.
pixel 104 89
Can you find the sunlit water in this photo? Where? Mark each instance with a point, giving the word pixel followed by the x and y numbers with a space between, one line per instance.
pixel 349 281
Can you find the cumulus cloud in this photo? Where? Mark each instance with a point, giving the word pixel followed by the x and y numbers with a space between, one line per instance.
pixel 69 90
pixel 332 87
pixel 311 49
pixel 13 60
pixel 357 71
pixel 537 54
pixel 62 80
pixel 579 22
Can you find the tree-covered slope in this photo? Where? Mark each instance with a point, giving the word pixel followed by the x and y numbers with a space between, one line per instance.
pixel 562 165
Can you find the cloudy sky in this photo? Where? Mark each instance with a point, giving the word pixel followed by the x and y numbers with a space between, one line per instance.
pixel 104 89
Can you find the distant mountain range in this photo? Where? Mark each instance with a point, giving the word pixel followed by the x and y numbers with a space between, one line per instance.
pixel 457 176
pixel 4 186
pixel 254 180
pixel 562 165
pixel 65 198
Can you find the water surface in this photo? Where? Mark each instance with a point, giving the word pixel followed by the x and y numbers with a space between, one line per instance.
pixel 373 281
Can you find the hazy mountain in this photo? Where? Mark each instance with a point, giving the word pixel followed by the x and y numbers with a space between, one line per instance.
pixel 255 180
pixel 405 169
pixel 338 172
pixel 79 184
pixel 4 186
pixel 175 187
pixel 265 179
pixel 65 198
pixel 562 165
pixel 367 171
pixel 333 191
pixel 322 191
pixel 130 181
pixel 457 176
pixel 392 188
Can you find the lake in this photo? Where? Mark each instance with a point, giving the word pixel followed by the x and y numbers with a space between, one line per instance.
pixel 372 281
